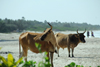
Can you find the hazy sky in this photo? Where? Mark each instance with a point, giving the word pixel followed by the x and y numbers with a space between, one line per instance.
pixel 51 10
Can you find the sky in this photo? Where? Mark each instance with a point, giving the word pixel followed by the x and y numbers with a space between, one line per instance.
pixel 78 11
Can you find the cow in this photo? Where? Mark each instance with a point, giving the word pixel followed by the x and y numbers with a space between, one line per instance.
pixel 47 40
pixel 69 41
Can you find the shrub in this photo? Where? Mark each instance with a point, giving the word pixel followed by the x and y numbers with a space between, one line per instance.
pixel 9 62
pixel 29 64
pixel 72 64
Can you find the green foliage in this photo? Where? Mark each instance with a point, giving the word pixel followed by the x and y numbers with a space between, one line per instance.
pixel 29 64
pixel 9 62
pixel 72 64
pixel 38 46
pixel 8 25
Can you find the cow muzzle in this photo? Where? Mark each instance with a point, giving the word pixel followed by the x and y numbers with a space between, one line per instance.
pixel 83 41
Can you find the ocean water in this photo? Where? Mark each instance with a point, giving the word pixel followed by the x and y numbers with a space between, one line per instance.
pixel 96 34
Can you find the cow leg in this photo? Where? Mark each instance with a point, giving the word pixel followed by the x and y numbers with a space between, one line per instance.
pixel 58 52
pixel 69 51
pixel 72 52
pixel 25 49
pixel 51 55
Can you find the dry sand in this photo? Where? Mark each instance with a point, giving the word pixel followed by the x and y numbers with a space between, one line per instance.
pixel 87 54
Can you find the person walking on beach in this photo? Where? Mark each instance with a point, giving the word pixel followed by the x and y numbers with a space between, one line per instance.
pixel 92 34
pixel 88 34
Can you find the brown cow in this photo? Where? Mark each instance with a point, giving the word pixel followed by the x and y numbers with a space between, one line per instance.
pixel 46 39
pixel 69 40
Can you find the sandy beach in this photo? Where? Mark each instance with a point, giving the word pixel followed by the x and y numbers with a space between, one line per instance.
pixel 86 54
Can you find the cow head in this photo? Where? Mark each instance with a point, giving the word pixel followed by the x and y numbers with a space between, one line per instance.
pixel 81 36
pixel 48 34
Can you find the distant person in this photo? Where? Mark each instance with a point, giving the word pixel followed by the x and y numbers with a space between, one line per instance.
pixel 88 34
pixel 92 34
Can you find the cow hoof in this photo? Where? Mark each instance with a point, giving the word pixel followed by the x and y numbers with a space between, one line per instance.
pixel 72 56
pixel 69 55
pixel 58 56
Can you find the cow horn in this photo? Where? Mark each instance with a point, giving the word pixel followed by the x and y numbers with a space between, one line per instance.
pixel 84 31
pixel 77 31
pixel 50 25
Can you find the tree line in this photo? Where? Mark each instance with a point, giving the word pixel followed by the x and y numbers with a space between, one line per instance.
pixel 9 25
